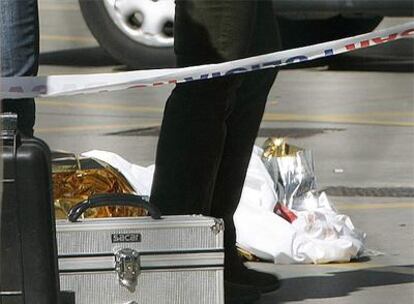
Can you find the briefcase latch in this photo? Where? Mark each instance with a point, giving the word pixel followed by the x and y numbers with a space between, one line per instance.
pixel 128 267
pixel 218 226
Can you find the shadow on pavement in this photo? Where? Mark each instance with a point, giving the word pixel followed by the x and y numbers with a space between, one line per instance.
pixel 86 57
pixel 339 284
pixel 92 56
pixel 396 56
pixel 263 132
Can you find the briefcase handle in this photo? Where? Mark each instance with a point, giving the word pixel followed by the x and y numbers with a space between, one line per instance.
pixel 114 199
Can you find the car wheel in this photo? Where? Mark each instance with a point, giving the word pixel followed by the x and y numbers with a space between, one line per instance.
pixel 136 33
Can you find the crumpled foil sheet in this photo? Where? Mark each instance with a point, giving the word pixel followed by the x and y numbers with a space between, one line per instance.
pixel 77 179
pixel 291 168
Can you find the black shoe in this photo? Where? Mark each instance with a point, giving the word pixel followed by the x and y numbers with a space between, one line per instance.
pixel 240 294
pixel 264 282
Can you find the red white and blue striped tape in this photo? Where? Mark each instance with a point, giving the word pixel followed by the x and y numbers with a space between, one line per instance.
pixel 62 85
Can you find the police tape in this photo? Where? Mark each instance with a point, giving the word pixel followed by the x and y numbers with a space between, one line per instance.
pixel 63 85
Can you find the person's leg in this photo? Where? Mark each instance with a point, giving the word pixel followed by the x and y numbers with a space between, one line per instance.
pixel 197 118
pixel 193 130
pixel 242 128
pixel 19 52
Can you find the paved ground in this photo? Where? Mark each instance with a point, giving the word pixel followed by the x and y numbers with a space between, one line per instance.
pixel 358 122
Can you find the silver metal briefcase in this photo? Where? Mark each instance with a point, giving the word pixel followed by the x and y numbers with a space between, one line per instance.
pixel 143 260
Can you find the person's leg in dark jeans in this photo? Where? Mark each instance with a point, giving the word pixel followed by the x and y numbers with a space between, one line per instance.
pixel 242 128
pixel 19 53
pixel 193 130
pixel 209 127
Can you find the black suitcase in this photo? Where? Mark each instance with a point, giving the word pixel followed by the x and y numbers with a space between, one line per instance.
pixel 28 256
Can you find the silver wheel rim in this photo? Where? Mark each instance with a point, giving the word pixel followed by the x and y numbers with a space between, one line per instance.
pixel 147 22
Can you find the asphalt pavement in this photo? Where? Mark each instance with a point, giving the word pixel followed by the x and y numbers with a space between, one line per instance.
pixel 359 125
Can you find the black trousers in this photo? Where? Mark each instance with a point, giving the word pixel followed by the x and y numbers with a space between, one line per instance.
pixel 209 127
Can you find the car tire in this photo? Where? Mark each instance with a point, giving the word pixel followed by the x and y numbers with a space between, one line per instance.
pixel 122 48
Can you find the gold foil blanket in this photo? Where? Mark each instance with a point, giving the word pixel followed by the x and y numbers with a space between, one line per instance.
pixel 77 179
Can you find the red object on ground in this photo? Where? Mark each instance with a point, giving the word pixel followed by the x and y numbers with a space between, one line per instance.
pixel 284 212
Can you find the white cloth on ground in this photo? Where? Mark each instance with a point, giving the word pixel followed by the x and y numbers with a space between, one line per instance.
pixel 319 234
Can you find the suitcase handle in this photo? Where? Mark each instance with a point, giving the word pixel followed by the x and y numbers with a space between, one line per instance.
pixel 119 199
